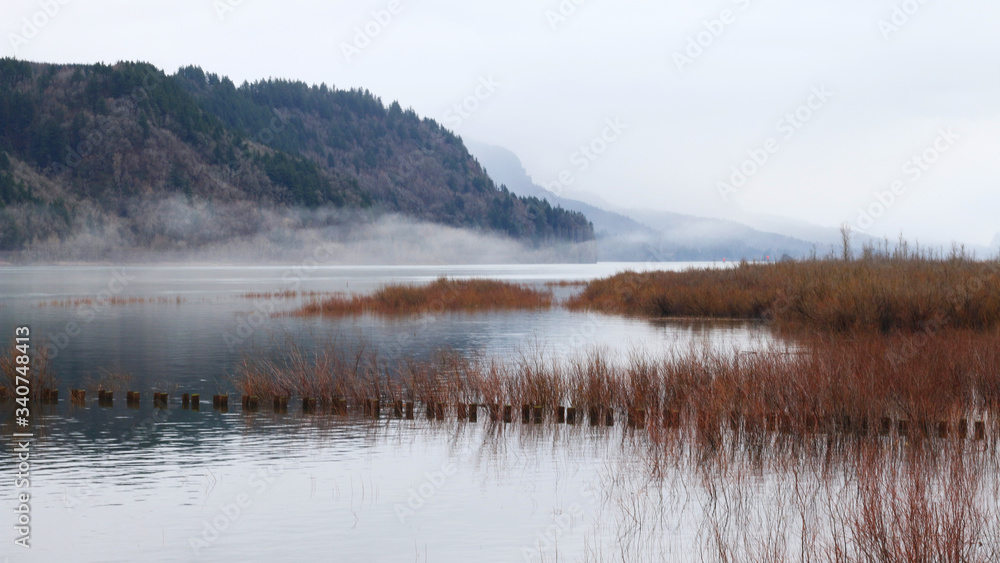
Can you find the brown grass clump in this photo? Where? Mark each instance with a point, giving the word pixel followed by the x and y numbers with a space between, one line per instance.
pixel 846 387
pixel 880 292
pixel 39 376
pixel 441 295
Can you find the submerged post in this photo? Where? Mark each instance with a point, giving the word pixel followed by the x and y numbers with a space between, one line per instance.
pixel 340 406
pixel 280 404
pixel 308 405
pixel 250 403
pixel 885 426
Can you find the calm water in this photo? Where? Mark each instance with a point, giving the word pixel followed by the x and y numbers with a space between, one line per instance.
pixel 120 484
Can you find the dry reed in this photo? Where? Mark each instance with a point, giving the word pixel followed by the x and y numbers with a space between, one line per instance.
pixel 441 295
pixel 881 292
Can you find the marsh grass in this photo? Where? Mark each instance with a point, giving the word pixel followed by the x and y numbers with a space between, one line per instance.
pixel 885 293
pixel 441 295
pixel 843 387
pixel 40 375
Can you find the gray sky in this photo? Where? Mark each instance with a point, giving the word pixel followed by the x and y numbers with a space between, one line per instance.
pixel 693 89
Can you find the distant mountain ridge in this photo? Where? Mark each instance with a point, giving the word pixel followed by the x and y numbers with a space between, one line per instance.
pixel 83 147
pixel 637 235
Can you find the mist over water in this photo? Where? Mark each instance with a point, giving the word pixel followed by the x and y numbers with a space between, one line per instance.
pixel 179 230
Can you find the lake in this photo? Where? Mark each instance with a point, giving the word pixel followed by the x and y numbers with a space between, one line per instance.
pixel 125 484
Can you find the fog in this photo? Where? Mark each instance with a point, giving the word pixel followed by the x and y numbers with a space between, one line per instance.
pixel 176 229
pixel 697 89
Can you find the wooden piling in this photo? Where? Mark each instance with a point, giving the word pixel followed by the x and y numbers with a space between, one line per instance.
pixel 811 423
pixel 609 417
pixel 885 426
pixel 784 423
pixel 942 429
pixel 439 411
pixel 219 402
pixel 903 428
pixel 397 409
pixel 963 428
pixel 308 405
pixel 734 421
pixel 78 396
pixel 570 415
pixel 594 415
pixel 846 424
pixel 560 415
pixel 979 430
pixel 494 413
pixel 105 398
pixel 339 406
pixel 770 422
pixel 250 403
pixel 525 414
pixel 160 400
pixel 195 401
pixel 473 412
pixel 463 411
pixel 50 396
pixel 186 401
pixel 430 410
pixel 538 414
pixel 409 410
pixel 280 404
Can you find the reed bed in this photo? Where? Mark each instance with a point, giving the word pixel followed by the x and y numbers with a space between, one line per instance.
pixel 864 387
pixel 40 375
pixel 441 295
pixel 879 292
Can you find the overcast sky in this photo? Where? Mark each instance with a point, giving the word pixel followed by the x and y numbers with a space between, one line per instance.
pixel 683 92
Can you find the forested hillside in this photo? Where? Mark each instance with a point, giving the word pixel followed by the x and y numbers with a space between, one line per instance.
pixel 90 147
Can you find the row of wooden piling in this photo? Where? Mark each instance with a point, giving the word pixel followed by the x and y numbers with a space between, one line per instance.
pixel 635 418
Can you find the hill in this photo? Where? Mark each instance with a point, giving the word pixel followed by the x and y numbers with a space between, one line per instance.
pixel 97 150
